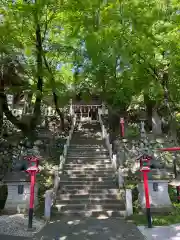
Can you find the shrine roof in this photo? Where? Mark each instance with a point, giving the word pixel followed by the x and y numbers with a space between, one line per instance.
pixel 16 176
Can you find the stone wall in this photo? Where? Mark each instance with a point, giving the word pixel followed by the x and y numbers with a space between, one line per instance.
pixel 5 157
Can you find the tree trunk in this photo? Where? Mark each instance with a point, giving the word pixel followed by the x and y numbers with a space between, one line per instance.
pixel 149 108
pixel 55 97
pixel 61 114
pixel 39 51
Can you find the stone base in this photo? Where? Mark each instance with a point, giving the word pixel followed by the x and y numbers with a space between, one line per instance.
pixel 159 209
pixel 158 196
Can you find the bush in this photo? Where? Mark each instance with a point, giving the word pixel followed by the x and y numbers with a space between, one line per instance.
pixel 132 131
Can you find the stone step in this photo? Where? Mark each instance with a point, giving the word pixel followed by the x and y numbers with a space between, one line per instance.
pixel 91 201
pixel 80 154
pixel 103 191
pixel 90 161
pixel 88 174
pixel 85 142
pixel 87 187
pixel 91 213
pixel 87 182
pixel 86 179
pixel 90 207
pixel 88 150
pixel 86 168
pixel 93 137
pixel 66 196
pixel 87 146
pixel 88 171
pixel 87 165
pixel 88 157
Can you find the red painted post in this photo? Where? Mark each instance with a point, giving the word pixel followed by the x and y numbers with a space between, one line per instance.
pixel 145 170
pixel 178 193
pixel 122 127
pixel 32 170
pixel 146 189
pixel 172 149
pixel 31 203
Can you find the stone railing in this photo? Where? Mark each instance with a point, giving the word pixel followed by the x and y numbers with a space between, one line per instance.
pixel 118 169
pixel 105 136
pixel 50 195
pixel 66 146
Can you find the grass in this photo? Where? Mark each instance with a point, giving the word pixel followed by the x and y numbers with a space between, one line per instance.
pixel 158 219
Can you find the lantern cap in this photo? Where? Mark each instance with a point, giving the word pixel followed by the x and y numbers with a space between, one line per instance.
pixel 175 182
pixel 121 120
pixel 32 169
pixel 159 140
pixel 145 169
pixel 14 176
pixel 144 157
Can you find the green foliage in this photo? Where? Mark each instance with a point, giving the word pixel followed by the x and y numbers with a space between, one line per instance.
pixel 132 131
pixel 123 49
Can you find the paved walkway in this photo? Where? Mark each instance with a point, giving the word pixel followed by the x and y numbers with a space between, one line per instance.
pixel 162 233
pixel 74 228
pixel 84 229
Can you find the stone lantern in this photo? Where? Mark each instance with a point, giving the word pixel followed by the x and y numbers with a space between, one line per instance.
pixel 158 181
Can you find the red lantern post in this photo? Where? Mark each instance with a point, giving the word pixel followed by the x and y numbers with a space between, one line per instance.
pixel 122 127
pixel 173 149
pixel 145 169
pixel 32 170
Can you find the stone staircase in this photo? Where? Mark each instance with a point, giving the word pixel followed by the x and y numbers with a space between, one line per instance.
pixel 87 185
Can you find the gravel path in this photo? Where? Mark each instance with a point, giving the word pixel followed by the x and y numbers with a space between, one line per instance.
pixel 8 237
pixel 16 225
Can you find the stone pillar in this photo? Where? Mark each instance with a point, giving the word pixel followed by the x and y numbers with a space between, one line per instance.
pixel 142 129
pixel 70 108
pixel 156 123
pixel 129 205
pixel 48 204
pixel 103 108
pixel 10 100
pixel 80 113
pixel 25 108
